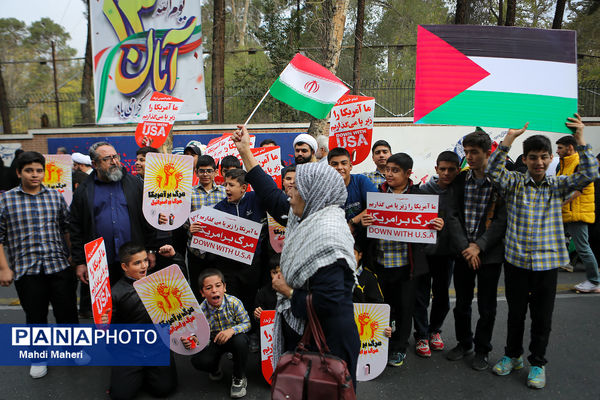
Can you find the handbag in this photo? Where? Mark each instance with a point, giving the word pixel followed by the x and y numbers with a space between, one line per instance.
pixel 307 375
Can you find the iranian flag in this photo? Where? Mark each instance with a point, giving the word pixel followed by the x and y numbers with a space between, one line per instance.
pixel 496 76
pixel 308 86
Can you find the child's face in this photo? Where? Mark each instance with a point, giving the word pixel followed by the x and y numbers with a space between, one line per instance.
pixel 537 163
pixel 206 174
pixel 288 181
pixel 137 267
pixel 32 175
pixel 358 256
pixel 275 272
pixel 395 176
pixel 342 165
pixel 380 156
pixel 213 290
pixel 234 190
pixel 140 164
pixel 446 171
pixel 476 157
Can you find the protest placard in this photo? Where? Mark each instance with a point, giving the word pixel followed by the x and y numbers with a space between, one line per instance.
pixel 169 301
pixel 351 126
pixel 223 146
pixel 276 234
pixel 58 175
pixel 97 265
pixel 167 189
pixel 371 321
pixel 267 323
pixel 157 120
pixel 269 159
pixel 225 234
pixel 402 217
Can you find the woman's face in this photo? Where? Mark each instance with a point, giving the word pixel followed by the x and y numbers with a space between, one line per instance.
pixel 296 201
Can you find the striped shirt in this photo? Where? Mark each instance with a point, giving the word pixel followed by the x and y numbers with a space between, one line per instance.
pixel 535 238
pixel 231 314
pixel 200 197
pixel 392 254
pixel 376 177
pixel 32 228
pixel 477 195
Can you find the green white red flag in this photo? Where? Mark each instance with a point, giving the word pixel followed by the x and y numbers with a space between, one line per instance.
pixel 495 76
pixel 308 86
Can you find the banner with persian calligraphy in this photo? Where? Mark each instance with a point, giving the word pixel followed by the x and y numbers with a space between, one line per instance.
pixel 267 324
pixel 58 175
pixel 223 146
pixel 97 265
pixel 351 126
pixel 371 321
pixel 276 234
pixel 402 217
pixel 157 120
pixel 169 301
pixel 225 234
pixel 167 190
pixel 269 159
pixel 142 47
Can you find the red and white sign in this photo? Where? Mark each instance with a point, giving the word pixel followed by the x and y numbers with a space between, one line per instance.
pixel 267 323
pixel 97 264
pixel 351 126
pixel 402 217
pixel 225 234
pixel 276 234
pixel 223 146
pixel 269 159
pixel 157 120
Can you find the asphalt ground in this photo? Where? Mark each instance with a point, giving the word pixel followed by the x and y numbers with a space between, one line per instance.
pixel 572 373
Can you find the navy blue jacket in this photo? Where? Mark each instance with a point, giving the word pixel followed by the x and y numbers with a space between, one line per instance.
pixel 275 200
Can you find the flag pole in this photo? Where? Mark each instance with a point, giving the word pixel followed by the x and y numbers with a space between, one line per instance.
pixel 256 108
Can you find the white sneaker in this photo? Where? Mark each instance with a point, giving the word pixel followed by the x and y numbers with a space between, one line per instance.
pixel 38 370
pixel 587 287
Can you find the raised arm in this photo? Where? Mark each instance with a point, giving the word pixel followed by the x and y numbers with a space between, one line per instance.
pixel 496 168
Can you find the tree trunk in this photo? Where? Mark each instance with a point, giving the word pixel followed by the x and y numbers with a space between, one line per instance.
pixel 333 48
pixel 358 42
pixel 461 12
pixel 500 12
pixel 558 14
pixel 234 19
pixel 4 110
pixel 511 9
pixel 218 62
pixel 244 26
pixel 87 77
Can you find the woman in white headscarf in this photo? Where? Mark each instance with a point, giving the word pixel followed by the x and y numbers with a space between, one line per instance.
pixel 317 258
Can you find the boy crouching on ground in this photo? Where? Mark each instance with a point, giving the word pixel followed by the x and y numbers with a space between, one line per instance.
pixel 534 246
pixel 228 322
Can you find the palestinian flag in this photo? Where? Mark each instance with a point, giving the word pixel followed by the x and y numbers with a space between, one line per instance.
pixel 308 86
pixel 495 76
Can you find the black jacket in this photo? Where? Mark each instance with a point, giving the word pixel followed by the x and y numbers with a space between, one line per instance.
pixel 127 307
pixel 490 235
pixel 82 227
pixel 274 200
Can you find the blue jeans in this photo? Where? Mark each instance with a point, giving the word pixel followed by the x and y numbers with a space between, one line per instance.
pixel 579 234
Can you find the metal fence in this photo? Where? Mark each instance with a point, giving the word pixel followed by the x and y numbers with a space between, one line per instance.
pixel 394 98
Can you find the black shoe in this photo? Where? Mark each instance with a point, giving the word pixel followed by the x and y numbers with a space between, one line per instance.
pixel 458 353
pixel 480 362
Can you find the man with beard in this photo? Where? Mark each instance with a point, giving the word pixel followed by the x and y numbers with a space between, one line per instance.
pixel 109 205
pixel 305 147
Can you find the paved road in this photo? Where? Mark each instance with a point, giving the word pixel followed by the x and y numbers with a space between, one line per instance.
pixel 573 371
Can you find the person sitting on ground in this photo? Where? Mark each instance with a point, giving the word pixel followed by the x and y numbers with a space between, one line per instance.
pixel 229 323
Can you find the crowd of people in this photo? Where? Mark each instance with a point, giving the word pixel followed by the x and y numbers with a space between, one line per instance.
pixel 490 218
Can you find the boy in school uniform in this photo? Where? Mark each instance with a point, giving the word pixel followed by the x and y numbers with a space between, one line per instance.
pixel 229 323
pixel 398 263
pixel 127 307
pixel 534 248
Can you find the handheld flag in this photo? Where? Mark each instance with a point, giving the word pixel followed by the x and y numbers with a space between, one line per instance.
pixel 495 76
pixel 308 86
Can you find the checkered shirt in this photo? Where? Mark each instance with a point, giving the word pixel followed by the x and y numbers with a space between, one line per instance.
pixel 200 197
pixel 231 314
pixel 31 230
pixel 392 254
pixel 376 177
pixel 476 199
pixel 534 235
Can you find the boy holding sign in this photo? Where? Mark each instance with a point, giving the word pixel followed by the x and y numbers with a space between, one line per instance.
pixel 126 381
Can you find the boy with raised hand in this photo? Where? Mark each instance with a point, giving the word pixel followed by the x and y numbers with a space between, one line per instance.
pixel 440 259
pixel 33 248
pixel 228 322
pixel 398 263
pixel 127 308
pixel 534 246
pixel 476 226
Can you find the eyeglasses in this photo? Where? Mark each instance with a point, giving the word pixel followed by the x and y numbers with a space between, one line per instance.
pixel 205 171
pixel 114 157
